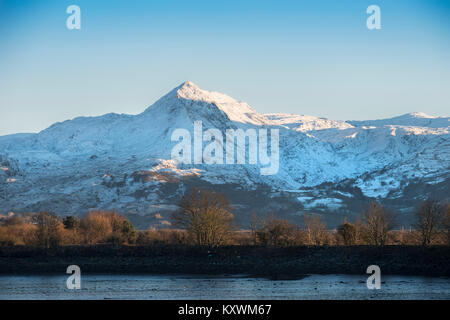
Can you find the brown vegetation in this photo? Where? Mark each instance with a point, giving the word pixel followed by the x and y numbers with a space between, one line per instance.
pixel 46 230
pixel 277 232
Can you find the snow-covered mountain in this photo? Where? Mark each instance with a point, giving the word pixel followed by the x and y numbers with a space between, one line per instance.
pixel 123 162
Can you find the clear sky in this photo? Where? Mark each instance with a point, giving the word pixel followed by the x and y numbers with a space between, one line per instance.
pixel 307 57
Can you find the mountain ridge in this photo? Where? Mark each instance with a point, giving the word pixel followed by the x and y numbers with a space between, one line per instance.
pixel 123 162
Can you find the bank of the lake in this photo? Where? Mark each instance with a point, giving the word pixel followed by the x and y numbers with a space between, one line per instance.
pixel 275 263
pixel 219 287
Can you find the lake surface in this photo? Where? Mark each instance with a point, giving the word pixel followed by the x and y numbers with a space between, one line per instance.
pixel 221 287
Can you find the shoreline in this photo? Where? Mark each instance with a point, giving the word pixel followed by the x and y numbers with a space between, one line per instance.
pixel 253 261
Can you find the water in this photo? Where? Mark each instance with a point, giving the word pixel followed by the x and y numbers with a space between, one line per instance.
pixel 221 287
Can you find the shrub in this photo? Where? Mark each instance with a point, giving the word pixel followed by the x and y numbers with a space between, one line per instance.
pixel 348 233
pixel 277 232
pixel 71 222
pixel 107 226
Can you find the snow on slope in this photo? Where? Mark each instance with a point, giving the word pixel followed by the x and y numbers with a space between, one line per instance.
pixel 123 161
pixel 305 123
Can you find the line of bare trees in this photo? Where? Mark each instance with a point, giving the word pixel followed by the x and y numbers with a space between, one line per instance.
pixel 205 218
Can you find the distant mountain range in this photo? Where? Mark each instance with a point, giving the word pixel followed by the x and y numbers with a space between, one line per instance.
pixel 123 162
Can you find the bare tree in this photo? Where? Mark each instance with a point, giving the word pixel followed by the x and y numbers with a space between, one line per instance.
pixel 427 221
pixel 316 230
pixel 49 228
pixel 255 225
pixel 377 222
pixel 205 215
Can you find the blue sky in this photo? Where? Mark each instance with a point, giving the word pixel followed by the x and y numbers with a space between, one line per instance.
pixel 307 57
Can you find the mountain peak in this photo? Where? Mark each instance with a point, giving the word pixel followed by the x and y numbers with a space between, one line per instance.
pixel 189 90
pixel 189 84
pixel 190 97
